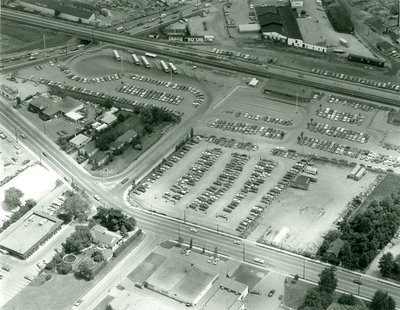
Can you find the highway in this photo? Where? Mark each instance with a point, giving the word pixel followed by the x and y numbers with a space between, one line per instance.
pixel 280 260
pixel 383 96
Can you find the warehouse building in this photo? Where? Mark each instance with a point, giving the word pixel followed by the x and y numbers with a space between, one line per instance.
pixel 287 89
pixel 25 236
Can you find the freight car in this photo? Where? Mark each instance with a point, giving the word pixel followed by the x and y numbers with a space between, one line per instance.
pixel 366 60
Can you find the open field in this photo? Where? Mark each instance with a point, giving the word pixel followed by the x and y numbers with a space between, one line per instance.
pixel 310 214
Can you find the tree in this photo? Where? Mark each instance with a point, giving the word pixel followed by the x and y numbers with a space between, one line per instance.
pixel 386 264
pixel 75 205
pixel 113 219
pixel 191 243
pixel 19 101
pixel 313 300
pixel 85 271
pixel 57 13
pixel 327 280
pixel 64 268
pixel 347 299
pixel 12 197
pixel 108 103
pixel 382 301
pixel 97 256
pixel 79 240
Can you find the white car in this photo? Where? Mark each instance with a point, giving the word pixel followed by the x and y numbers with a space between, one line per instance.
pixel 193 230
pixel 259 260
pixel 236 242
pixel 96 197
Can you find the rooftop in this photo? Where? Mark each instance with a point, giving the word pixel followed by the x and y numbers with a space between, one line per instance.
pixel 60 6
pixel 128 301
pixel 79 139
pixel 103 235
pixel 27 231
pixel 234 285
pixel 291 89
pixel 74 115
pixel 222 299
pixel 8 89
pixel 41 102
pixel 108 118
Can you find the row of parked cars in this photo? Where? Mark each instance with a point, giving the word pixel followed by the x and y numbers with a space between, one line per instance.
pixel 222 183
pixel 197 93
pixel 355 79
pixel 246 128
pixel 55 205
pixel 265 118
pixel 231 143
pixel 340 132
pixel 150 94
pixel 230 53
pixel 353 104
pixel 101 95
pixel 341 116
pixel 173 159
pixel 353 152
pixel 261 172
pixel 247 225
pixel 193 176
pixel 281 152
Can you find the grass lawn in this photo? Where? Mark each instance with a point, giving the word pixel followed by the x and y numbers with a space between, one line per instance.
pixel 62 290
pixel 146 268
pixel 248 275
pixel 391 184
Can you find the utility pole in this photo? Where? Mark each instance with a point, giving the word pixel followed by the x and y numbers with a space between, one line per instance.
pixel 244 252
pixel 304 269
pixel 184 215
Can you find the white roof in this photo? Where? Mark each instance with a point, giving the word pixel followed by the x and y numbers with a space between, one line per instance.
pixel 101 127
pixel 253 82
pixel 74 115
pixel 108 118
pixel 96 124
pixel 281 235
pixel 79 139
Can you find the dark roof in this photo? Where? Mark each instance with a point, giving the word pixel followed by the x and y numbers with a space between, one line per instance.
pixel 290 89
pixel 339 18
pixel 261 10
pixel 59 6
pixel 41 102
pixel 375 23
pixel 289 22
pixel 267 19
pixel 273 28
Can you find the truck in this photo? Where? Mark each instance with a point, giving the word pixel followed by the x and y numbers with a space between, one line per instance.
pixel 343 42
pixel 145 62
pixel 360 174
pixel 164 66
pixel 354 172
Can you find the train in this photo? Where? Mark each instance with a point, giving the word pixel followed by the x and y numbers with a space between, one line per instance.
pixel 366 60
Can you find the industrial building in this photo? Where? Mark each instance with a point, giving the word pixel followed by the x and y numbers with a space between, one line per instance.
pixel 8 92
pixel 24 237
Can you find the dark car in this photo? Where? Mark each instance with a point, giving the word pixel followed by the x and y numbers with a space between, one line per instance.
pixel 271 292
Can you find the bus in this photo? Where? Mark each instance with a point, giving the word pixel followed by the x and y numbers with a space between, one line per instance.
pixel 164 66
pixel 135 59
pixel 120 29
pixel 338 51
pixel 116 55
pixel 173 68
pixel 150 55
pixel 146 63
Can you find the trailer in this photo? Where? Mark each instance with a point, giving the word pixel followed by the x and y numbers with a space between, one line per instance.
pixel 360 174
pixel 354 171
pixel 120 29
pixel 173 68
pixel 344 42
pixel 145 62
pixel 164 66
pixel 116 55
pixel 135 59
pixel 150 55
pixel 366 60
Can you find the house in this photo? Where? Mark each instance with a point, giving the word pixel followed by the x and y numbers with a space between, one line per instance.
pixel 62 9
pixel 99 159
pixel 375 24
pixel 108 119
pixel 48 109
pixel 89 149
pixel 8 92
pixel 123 139
pixel 105 238
pixel 79 141
pixel 39 104
pixel 73 116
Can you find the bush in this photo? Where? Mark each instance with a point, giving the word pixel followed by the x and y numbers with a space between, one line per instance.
pixel 64 268
pixel 347 299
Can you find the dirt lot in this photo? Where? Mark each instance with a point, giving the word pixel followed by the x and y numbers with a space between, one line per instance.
pixel 309 214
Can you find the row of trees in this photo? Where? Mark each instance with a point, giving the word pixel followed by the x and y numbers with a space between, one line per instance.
pixel 114 220
pixel 365 235
pixel 321 297
pixel 389 266
pixel 75 207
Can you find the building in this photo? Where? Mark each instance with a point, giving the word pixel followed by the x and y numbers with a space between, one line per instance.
pixel 224 299
pixel 24 237
pixel 338 17
pixel 48 108
pixel 176 37
pixel 176 29
pixel 301 182
pixel 287 89
pixel 235 287
pixel 181 280
pixel 311 170
pixel 73 116
pixel 123 139
pixel 108 119
pixel 194 39
pixel 8 92
pixel 130 301
pixel 79 141
pixel 37 105
pixel 253 82
pixel 62 9
pixel 394 117
pixel 89 149
pixel 375 24
pixel 104 238
pixel 249 28
pixel 296 3
pixel 99 159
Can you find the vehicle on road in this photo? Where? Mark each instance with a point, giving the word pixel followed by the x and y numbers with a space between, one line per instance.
pixel 271 293
pixel 78 302
pixel 44 154
pixel 23 136
pixel 210 259
pixel 124 180
pixel 96 197
pixel 195 230
pixel 188 252
pixel 259 260
pixel 356 281
pixel 6 268
pixel 236 242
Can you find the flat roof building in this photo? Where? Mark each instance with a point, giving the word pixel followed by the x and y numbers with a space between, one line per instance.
pixel 23 237
pixel 8 92
pixel 301 182
pixel 79 141
pixel 287 89
pixel 181 280
pixel 108 119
